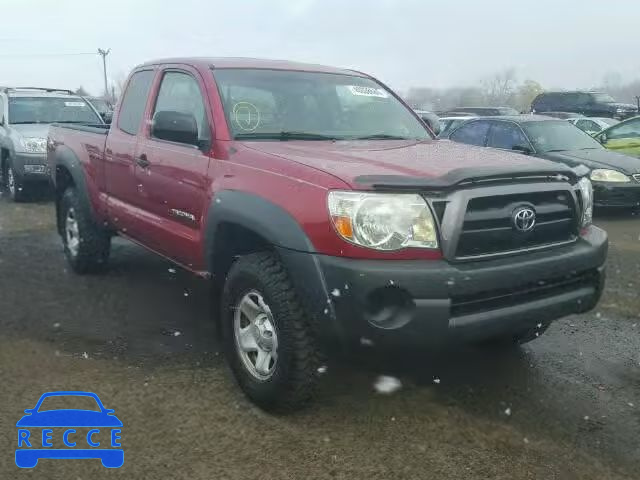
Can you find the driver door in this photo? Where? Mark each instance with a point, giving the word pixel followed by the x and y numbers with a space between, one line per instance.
pixel 171 176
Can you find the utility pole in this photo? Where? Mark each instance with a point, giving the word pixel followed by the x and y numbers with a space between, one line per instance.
pixel 103 53
pixel 638 101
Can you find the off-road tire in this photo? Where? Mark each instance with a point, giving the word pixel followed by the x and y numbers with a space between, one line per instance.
pixel 294 380
pixel 94 241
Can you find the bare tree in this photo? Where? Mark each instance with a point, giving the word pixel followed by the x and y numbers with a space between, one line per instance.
pixel 500 87
pixel 81 91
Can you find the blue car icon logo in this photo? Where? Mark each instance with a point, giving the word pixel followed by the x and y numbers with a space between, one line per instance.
pixel 94 433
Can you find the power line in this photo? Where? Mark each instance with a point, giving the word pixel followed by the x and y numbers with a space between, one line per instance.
pixel 22 55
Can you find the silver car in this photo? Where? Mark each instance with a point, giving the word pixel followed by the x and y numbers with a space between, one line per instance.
pixel 25 116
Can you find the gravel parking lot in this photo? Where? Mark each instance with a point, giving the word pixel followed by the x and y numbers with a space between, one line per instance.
pixel 141 336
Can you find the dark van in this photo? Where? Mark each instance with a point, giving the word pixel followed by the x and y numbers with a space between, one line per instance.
pixel 591 104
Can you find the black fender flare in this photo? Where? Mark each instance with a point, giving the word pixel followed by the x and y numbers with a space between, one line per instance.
pixel 65 157
pixel 289 241
pixel 256 214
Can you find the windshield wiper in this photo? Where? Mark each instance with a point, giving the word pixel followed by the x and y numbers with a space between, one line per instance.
pixel 284 136
pixel 381 136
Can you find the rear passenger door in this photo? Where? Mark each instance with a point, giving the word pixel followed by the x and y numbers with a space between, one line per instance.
pixel 119 182
pixel 172 177
pixel 473 132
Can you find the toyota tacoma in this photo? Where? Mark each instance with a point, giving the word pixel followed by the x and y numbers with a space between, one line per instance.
pixel 323 210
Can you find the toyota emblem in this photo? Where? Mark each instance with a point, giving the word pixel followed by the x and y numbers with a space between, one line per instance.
pixel 524 219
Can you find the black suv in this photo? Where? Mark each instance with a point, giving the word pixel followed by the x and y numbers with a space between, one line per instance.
pixel 591 104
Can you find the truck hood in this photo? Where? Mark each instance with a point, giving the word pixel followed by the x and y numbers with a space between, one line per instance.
pixel 597 158
pixel 40 130
pixel 349 160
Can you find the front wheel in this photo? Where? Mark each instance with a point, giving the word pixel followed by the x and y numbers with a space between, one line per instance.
pixel 86 245
pixel 268 339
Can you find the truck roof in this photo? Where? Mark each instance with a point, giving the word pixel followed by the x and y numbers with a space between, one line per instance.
pixel 242 62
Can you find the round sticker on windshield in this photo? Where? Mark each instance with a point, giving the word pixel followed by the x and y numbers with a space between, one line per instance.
pixel 246 115
pixel 367 91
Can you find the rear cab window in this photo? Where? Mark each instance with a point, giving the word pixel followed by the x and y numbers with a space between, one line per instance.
pixel 135 101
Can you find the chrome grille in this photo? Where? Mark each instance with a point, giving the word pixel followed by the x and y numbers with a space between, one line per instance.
pixel 488 223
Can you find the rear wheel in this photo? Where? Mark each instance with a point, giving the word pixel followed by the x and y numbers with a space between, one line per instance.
pixel 86 245
pixel 268 339
pixel 13 184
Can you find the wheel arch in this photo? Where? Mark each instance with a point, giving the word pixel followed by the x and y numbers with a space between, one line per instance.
pixel 68 172
pixel 239 223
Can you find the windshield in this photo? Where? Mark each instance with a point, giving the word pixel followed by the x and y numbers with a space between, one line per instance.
pixel 50 110
pixel 286 104
pixel 602 98
pixel 554 136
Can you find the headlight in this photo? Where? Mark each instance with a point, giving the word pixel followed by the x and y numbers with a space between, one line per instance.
pixel 383 221
pixel 603 175
pixel 586 190
pixel 34 145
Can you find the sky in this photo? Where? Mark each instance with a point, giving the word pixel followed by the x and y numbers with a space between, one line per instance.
pixel 405 43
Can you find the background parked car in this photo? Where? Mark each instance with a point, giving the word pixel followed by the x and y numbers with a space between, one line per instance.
pixel 483 111
pixel 103 107
pixel 563 115
pixel 615 177
pixel 593 125
pixel 447 124
pixel 591 104
pixel 25 115
pixel 623 137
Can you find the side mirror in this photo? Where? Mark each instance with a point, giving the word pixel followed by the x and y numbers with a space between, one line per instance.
pixel 521 149
pixel 109 411
pixel 29 410
pixel 434 125
pixel 107 117
pixel 602 138
pixel 175 127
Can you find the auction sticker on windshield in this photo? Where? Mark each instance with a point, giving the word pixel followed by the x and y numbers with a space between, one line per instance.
pixel 368 91
pixel 75 104
pixel 90 432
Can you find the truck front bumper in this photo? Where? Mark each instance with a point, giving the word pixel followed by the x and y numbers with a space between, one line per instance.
pixel 611 194
pixel 30 167
pixel 422 301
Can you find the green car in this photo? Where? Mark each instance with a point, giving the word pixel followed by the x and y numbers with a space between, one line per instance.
pixel 623 137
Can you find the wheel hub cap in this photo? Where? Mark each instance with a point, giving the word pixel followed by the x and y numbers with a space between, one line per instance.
pixel 72 233
pixel 256 336
pixel 11 181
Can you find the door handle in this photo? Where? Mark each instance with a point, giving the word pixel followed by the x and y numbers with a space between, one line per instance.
pixel 142 161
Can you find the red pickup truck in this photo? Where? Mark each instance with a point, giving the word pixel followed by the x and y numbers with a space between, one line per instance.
pixel 326 212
